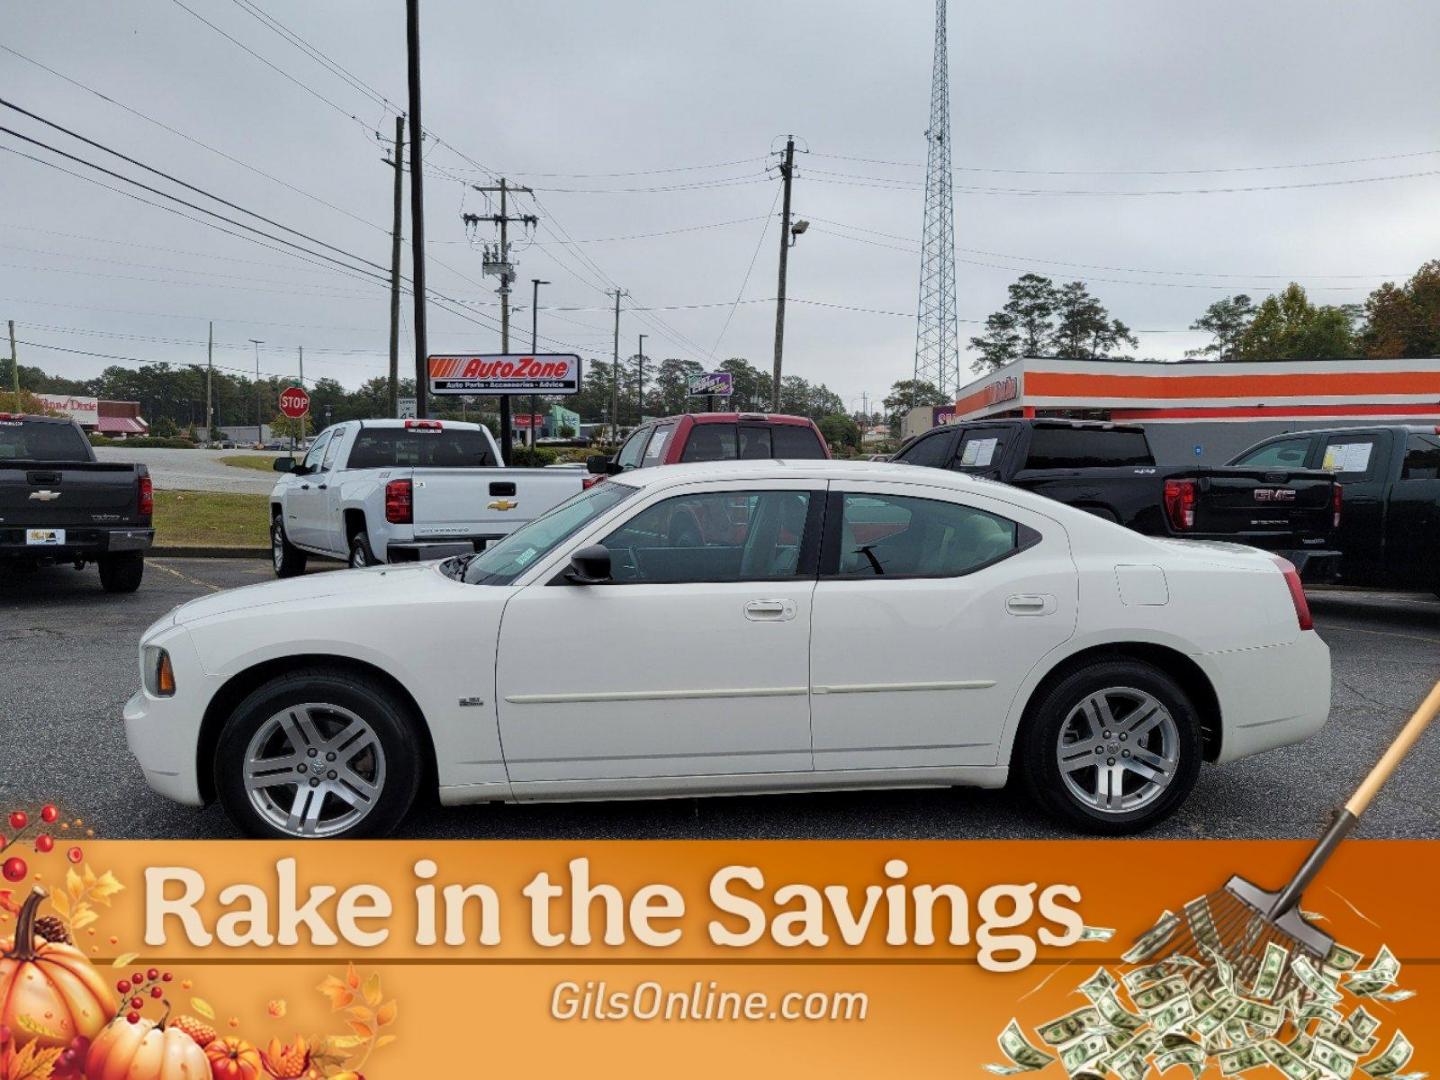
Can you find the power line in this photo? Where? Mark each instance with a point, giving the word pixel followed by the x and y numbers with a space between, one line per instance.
pixel 1140 172
pixel 764 232
pixel 879 183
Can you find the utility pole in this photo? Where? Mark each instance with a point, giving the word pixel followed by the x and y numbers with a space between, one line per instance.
pixel 395 265
pixel 209 379
pixel 534 346
pixel 497 261
pixel 417 205
pixel 14 365
pixel 302 386
pixel 640 383
pixel 615 372
pixel 259 423
pixel 787 172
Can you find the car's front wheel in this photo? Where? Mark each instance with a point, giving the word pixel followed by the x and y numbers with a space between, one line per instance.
pixel 288 560
pixel 319 753
pixel 1113 747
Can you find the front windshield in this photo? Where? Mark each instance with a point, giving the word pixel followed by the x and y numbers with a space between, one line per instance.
pixel 507 560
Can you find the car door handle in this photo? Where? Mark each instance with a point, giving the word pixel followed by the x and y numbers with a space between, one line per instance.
pixel 321 487
pixel 1030 604
pixel 304 487
pixel 770 610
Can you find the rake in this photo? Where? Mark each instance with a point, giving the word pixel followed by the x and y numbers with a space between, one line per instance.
pixel 1238 922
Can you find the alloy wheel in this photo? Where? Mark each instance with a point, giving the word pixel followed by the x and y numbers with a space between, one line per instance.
pixel 1118 750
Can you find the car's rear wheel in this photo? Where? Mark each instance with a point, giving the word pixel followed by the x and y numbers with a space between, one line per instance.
pixel 319 753
pixel 121 572
pixel 360 554
pixel 288 560
pixel 1113 747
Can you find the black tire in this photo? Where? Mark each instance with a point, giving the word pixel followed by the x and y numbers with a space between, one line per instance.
pixel 360 554
pixel 394 726
pixel 122 571
pixel 1036 761
pixel 287 559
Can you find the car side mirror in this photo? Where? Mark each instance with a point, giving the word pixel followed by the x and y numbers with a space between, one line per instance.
pixel 590 566
pixel 283 464
pixel 601 465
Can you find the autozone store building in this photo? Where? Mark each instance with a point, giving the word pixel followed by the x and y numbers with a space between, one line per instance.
pixel 1202 410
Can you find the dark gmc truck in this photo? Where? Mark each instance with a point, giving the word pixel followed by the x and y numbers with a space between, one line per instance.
pixel 1109 470
pixel 1390 532
pixel 58 504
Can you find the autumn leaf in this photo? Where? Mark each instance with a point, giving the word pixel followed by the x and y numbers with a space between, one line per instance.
pixel 339 994
pixel 33 1063
pixel 361 1013
pixel 83 917
pixel 59 901
pixel 28 1023
pixel 343 1042
pixel 386 1013
pixel 73 884
pixel 365 1031
pixel 372 989
pixel 352 977
pixel 124 959
pixel 383 1041
pixel 105 887
pixel 88 876
pixel 203 1007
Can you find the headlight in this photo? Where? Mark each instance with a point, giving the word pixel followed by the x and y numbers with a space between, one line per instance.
pixel 158 673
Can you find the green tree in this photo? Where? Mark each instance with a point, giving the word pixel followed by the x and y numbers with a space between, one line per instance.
pixel 1288 326
pixel 907 394
pixel 1227 319
pixel 1404 320
pixel 999 345
pixel 840 431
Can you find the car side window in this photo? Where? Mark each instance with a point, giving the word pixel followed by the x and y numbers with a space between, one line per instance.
pixel 713 536
pixel 979 449
pixel 710 442
pixel 1422 458
pixel 655 448
pixel 796 442
pixel 634 448
pixel 317 452
pixel 331 450
pixel 1284 454
pixel 902 536
pixel 929 450
pixel 1350 457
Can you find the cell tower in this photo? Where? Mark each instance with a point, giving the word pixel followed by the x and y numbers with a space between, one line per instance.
pixel 937 345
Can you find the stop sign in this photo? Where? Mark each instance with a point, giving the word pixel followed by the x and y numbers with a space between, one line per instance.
pixel 294 402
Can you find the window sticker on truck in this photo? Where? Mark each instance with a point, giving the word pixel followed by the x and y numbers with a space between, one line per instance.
pixel 1348 457
pixel 979 452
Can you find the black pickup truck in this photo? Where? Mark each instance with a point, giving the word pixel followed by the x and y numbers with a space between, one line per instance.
pixel 1390 533
pixel 58 504
pixel 1109 470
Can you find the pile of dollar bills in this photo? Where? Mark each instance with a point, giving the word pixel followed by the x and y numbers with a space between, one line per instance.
pixel 1196 1012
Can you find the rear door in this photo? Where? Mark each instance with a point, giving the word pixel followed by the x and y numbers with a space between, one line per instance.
pixel 1413 519
pixel 1360 461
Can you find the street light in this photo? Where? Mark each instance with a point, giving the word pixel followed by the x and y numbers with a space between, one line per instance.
pixel 798 230
pixel 534 339
pixel 259 424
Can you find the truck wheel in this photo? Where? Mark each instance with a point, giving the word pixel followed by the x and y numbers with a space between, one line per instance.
pixel 360 554
pixel 1112 748
pixel 121 572
pixel 289 560
pixel 318 753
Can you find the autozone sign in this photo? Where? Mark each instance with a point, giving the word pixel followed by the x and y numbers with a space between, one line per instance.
pixel 502 373
pixel 1006 389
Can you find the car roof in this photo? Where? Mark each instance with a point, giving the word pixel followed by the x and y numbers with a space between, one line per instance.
pixel 735 417
pixel 388 422
pixel 1409 429
pixel 818 469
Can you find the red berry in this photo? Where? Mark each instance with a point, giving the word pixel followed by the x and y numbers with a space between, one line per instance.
pixel 137 1003
pixel 15 869
pixel 19 819
pixel 137 978
pixel 44 843
pixel 166 977
pixel 152 974
pixel 49 814
pixel 156 992
pixel 123 986
pixel 75 854
pixel 133 1017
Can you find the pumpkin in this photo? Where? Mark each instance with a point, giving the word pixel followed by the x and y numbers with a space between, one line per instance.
pixel 233 1059
pixel 49 993
pixel 145 1050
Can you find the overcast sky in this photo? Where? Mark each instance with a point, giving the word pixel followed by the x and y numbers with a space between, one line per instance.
pixel 1049 96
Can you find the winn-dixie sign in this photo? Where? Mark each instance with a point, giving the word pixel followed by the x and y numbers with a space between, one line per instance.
pixel 500 373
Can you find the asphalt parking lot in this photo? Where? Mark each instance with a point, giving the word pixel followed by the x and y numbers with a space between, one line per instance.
pixel 195 470
pixel 69 665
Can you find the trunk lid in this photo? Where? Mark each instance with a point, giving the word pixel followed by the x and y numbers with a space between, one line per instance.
pixel 1259 504
pixel 69 494
pixel 481 502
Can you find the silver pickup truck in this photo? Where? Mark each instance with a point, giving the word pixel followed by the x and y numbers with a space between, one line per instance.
pixel 374 491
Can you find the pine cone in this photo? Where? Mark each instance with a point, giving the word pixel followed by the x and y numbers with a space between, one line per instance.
pixel 52 929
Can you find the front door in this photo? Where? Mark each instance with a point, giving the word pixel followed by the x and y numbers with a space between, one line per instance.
pixel 305 503
pixel 932 607
pixel 693 661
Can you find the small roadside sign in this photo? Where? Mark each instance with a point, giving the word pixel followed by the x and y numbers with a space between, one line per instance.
pixel 406 408
pixel 712 384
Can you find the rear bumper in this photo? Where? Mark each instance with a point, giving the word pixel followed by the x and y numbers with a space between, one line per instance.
pixel 1272 696
pixel 86 541
pixel 435 548
pixel 1317 567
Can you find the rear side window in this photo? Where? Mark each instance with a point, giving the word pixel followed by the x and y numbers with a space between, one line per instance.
pixel 900 536
pixel 1349 457
pixel 1285 454
pixel 655 448
pixel 929 450
pixel 429 448
pixel 1086 448
pixel 1422 458
pixel 710 442
pixel 796 442
pixel 754 443
pixel 22 441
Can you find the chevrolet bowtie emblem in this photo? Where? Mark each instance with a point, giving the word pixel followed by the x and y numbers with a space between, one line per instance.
pixel 44 496
pixel 502 504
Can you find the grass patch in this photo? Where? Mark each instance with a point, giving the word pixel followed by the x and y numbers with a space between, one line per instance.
pixel 250 461
pixel 211 519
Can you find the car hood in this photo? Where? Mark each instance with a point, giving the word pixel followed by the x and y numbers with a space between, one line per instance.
pixel 330 588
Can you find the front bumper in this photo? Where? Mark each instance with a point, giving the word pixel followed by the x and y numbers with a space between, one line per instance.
pixel 86 541
pixel 1272 696
pixel 164 733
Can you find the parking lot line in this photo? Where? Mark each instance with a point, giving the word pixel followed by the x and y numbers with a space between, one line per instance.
pixel 1377 633
pixel 159 565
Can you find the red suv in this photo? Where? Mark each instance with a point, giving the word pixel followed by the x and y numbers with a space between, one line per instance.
pixel 714 437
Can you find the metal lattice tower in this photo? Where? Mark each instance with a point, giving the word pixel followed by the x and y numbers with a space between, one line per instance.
pixel 937 345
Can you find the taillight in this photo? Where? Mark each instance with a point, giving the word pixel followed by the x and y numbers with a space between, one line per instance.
pixel 587 482
pixel 1336 500
pixel 146 496
pixel 399 503
pixel 1180 503
pixel 424 425
pixel 1297 593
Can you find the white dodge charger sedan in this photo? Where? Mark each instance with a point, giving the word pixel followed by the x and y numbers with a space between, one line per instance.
pixel 738 627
